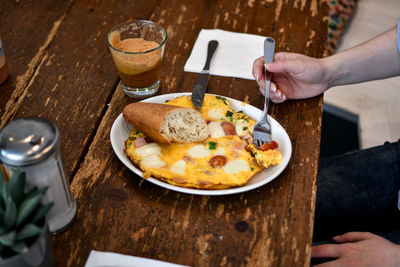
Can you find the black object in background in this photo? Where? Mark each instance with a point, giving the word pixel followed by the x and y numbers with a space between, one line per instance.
pixel 340 132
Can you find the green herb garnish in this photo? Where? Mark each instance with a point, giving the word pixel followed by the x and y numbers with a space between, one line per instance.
pixel 229 113
pixel 223 99
pixel 212 145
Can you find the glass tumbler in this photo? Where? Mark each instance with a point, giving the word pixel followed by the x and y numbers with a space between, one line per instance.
pixel 137 48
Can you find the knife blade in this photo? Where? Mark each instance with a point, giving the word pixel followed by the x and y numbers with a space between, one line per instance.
pixel 200 86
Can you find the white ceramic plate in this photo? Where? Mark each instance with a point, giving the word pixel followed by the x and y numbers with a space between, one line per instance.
pixel 120 132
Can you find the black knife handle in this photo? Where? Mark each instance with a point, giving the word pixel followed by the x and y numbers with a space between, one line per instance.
pixel 212 46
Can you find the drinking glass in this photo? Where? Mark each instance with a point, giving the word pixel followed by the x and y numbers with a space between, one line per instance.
pixel 137 48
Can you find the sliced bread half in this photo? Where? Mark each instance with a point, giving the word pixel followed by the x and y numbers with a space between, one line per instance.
pixel 166 123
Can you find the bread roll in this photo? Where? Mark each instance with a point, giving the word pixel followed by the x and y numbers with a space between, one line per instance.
pixel 166 123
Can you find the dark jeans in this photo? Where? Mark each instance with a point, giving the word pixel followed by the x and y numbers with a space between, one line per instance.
pixel 358 191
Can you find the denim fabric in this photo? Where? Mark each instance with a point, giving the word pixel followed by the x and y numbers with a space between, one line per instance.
pixel 358 191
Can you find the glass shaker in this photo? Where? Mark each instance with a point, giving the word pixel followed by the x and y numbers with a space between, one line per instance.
pixel 34 146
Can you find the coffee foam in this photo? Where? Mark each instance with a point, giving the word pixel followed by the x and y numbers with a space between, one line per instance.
pixel 142 59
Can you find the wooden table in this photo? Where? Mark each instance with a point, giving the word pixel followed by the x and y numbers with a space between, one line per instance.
pixel 61 69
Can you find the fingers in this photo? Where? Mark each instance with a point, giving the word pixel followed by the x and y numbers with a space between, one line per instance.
pixel 326 251
pixel 258 67
pixel 276 95
pixel 352 237
pixel 336 250
pixel 278 65
pixel 287 62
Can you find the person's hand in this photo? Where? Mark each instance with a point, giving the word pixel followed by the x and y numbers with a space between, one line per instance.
pixel 358 249
pixel 294 76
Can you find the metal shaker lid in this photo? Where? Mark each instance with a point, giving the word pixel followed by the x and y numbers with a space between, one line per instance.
pixel 27 141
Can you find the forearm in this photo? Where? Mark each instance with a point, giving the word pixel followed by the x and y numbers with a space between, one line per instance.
pixel 375 59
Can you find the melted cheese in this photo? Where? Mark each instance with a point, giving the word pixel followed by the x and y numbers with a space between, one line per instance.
pixel 153 161
pixel 198 151
pixel 179 167
pixel 151 155
pixel 236 166
pixel 216 113
pixel 149 149
pixel 242 127
pixel 216 129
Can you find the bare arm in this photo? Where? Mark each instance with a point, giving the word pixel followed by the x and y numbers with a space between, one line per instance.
pixel 296 76
pixel 375 59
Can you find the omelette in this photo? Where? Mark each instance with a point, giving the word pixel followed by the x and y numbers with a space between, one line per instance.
pixel 227 158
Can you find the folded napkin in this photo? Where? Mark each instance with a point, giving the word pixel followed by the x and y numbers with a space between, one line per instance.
pixel 234 56
pixel 110 259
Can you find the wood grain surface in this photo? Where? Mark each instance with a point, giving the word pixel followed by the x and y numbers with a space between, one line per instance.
pixel 26 30
pixel 74 83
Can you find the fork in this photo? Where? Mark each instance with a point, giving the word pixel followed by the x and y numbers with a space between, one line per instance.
pixel 262 129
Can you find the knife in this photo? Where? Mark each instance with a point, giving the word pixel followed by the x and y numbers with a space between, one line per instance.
pixel 201 83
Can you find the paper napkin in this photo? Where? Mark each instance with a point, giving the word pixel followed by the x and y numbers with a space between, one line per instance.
pixel 110 259
pixel 234 56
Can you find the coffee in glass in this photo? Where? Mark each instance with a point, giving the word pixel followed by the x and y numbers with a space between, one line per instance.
pixel 137 48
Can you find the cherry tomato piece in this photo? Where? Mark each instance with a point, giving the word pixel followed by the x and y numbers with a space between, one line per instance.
pixel 217 161
pixel 269 146
pixel 229 128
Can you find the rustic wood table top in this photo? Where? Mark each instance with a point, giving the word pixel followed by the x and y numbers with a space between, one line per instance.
pixel 61 69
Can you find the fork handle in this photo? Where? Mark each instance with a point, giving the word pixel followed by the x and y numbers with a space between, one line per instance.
pixel 269 48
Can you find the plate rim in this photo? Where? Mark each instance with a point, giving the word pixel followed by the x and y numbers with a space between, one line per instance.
pixel 209 192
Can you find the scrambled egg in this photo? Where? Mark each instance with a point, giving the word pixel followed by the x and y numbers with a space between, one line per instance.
pixel 226 159
pixel 266 158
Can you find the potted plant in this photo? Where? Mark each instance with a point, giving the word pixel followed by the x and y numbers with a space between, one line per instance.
pixel 24 235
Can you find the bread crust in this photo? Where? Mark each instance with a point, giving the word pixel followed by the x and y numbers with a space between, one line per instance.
pixel 148 117
pixel 165 124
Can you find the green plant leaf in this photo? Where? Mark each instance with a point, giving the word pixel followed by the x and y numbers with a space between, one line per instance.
pixel 19 247
pixel 16 186
pixel 1 251
pixel 35 191
pixel 1 213
pixel 4 193
pixel 2 230
pixel 10 214
pixel 2 202
pixel 41 212
pixel 31 191
pixel 7 239
pixel 29 230
pixel 2 180
pixel 27 207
